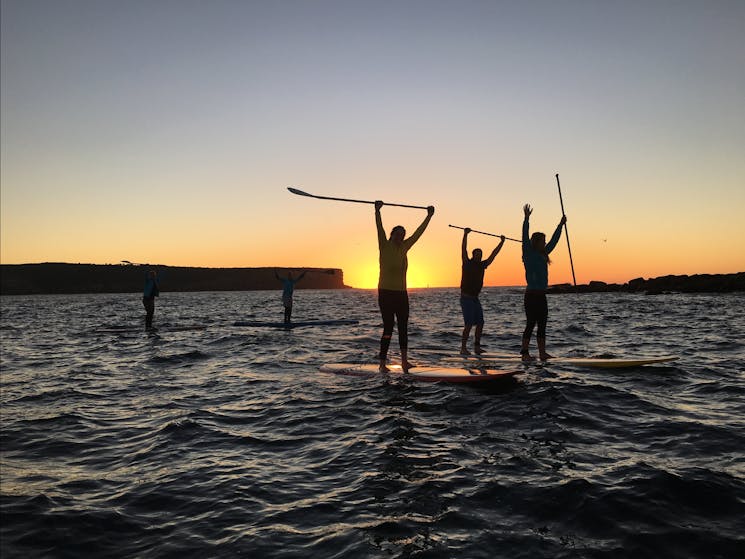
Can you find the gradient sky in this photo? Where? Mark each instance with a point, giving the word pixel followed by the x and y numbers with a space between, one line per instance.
pixel 168 132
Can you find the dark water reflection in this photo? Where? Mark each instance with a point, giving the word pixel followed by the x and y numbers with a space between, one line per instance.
pixel 229 442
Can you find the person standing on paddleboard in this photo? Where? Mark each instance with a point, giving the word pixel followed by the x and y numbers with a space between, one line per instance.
pixel 151 291
pixel 536 261
pixel 393 299
pixel 471 282
pixel 288 288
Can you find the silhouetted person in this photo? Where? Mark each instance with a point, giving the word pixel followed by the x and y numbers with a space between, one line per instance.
pixel 536 261
pixel 471 282
pixel 151 291
pixel 393 298
pixel 288 288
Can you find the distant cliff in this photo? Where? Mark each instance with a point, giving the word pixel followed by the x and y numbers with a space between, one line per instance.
pixel 50 278
pixel 698 283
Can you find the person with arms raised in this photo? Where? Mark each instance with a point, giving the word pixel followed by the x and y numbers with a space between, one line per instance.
pixel 536 261
pixel 288 288
pixel 393 299
pixel 472 280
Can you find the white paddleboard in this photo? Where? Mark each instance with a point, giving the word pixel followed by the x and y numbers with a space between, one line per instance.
pixel 426 374
pixel 486 360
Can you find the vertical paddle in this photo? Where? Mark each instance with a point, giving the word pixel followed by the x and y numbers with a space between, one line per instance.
pixel 566 231
pixel 301 193
pixel 484 233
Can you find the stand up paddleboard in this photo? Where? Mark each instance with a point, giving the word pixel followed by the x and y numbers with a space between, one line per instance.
pixel 425 374
pixel 134 329
pixel 258 324
pixel 488 360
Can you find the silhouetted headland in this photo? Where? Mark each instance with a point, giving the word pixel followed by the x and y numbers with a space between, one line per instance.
pixel 699 283
pixel 53 278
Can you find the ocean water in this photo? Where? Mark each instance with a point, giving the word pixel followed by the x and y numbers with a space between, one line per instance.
pixel 228 442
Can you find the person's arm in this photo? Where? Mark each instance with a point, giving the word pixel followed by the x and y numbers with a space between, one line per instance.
pixel 494 253
pixel 301 276
pixel 526 227
pixel 379 223
pixel 551 245
pixel 419 230
pixel 464 245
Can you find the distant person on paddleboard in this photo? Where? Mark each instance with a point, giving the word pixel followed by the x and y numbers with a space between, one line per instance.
pixel 471 282
pixel 536 261
pixel 288 288
pixel 151 291
pixel 393 298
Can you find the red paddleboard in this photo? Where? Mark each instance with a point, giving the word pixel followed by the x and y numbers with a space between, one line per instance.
pixel 424 373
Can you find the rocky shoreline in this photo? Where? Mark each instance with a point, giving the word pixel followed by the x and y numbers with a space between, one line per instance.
pixel 699 283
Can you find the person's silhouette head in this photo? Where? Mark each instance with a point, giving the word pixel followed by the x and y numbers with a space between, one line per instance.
pixel 398 233
pixel 538 241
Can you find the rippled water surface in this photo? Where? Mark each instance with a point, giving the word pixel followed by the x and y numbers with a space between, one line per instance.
pixel 228 442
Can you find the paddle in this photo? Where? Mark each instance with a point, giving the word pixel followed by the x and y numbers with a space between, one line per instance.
pixel 561 200
pixel 484 233
pixel 301 193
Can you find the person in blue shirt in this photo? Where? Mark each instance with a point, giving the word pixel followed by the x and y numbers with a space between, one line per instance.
pixel 288 288
pixel 151 291
pixel 471 282
pixel 536 261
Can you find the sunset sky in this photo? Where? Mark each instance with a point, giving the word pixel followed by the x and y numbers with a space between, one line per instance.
pixel 168 131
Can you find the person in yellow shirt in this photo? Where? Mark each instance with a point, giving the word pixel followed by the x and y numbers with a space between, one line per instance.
pixel 393 299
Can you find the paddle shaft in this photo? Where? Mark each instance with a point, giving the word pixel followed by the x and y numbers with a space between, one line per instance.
pixel 485 233
pixel 302 193
pixel 566 231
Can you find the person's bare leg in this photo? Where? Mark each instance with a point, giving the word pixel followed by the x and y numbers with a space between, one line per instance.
pixel 525 350
pixel 477 341
pixel 542 349
pixel 464 340
pixel 385 340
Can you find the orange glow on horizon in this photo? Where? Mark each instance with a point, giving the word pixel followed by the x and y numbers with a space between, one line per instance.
pixel 203 182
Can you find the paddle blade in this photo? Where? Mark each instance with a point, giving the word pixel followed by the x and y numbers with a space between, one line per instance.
pixel 298 192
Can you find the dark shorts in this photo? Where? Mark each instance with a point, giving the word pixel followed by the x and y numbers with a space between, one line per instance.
pixel 473 314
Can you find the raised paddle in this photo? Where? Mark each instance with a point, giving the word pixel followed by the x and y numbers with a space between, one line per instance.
pixel 561 200
pixel 301 193
pixel 484 233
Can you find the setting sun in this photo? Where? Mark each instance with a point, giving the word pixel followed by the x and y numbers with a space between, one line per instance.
pixel 419 277
pixel 364 275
